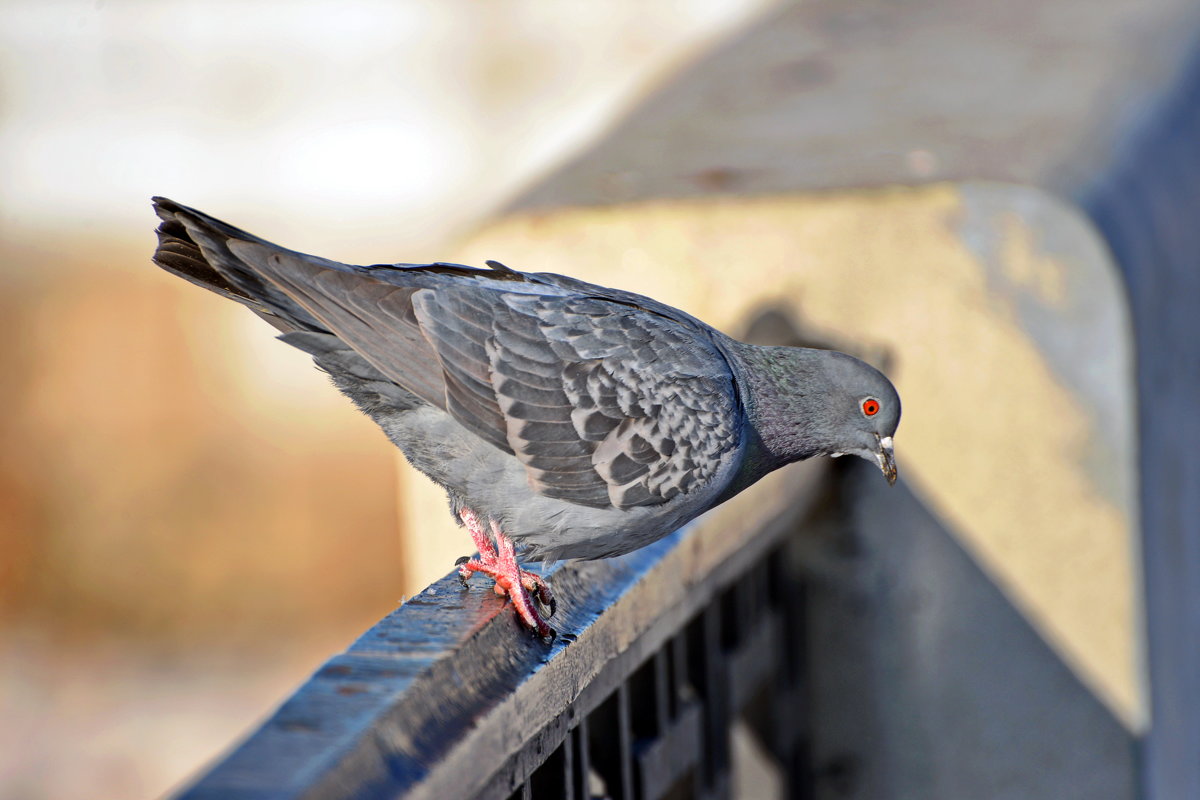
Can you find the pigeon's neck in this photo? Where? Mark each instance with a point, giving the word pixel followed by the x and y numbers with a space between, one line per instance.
pixel 783 392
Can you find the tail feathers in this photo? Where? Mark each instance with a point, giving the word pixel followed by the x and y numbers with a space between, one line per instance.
pixel 179 254
pixel 196 247
pixel 362 327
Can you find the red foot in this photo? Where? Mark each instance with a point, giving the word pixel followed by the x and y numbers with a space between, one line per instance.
pixel 500 563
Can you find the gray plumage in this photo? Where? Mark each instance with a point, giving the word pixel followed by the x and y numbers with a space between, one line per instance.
pixel 587 422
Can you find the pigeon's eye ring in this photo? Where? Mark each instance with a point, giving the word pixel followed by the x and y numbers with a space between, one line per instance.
pixel 870 406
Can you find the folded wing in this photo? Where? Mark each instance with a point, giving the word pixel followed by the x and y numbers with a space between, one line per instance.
pixel 604 402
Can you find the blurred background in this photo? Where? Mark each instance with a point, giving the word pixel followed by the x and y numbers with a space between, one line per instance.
pixel 191 518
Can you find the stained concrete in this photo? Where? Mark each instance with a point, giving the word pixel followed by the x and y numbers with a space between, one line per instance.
pixel 927 682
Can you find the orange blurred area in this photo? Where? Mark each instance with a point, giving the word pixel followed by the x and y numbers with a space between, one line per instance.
pixel 158 480
pixel 191 522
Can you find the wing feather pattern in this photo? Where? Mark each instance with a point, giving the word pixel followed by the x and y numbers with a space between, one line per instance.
pixel 607 399
pixel 604 404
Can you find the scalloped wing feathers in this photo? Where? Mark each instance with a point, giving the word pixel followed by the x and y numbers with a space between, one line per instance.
pixel 604 405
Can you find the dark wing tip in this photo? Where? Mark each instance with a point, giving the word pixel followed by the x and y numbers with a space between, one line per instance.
pixel 168 209
pixel 179 254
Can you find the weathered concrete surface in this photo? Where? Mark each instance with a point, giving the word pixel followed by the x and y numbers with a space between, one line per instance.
pixel 1004 322
pixel 1003 306
pixel 833 93
pixel 929 663
pixel 440 698
pixel 1098 102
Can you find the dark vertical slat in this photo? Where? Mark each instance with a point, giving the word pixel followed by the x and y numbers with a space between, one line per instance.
pixel 602 743
pixel 645 720
pixel 671 677
pixel 776 565
pixel 744 616
pixel 716 727
pixel 694 667
pixel 551 780
pixel 727 606
pixel 582 765
pixel 792 724
pixel 761 593
pixel 610 741
pixel 626 743
pixel 662 690
pixel 682 691
pixel 570 781
pixel 694 656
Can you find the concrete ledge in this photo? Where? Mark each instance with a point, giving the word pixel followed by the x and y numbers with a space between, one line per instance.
pixel 1005 325
pixel 437 698
pixel 734 185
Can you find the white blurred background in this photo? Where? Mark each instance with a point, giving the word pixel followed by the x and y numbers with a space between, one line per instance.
pixel 366 123
pixel 190 519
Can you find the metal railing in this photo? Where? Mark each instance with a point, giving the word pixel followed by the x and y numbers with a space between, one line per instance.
pixel 662 654
pixel 664 729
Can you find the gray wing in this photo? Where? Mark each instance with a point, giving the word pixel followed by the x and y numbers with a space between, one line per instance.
pixel 605 404
pixel 606 401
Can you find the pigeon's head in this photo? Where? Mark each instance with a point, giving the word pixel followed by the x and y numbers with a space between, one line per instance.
pixel 862 410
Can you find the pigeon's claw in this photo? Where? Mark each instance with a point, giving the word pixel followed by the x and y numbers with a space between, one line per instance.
pixel 522 601
pixel 464 572
pixel 499 562
pixel 539 590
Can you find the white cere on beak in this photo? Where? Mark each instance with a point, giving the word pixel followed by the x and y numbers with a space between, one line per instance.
pixel 886 443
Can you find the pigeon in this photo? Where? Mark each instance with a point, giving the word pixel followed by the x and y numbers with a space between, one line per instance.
pixel 564 420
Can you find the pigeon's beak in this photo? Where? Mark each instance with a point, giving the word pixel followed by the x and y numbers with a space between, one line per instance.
pixel 886 456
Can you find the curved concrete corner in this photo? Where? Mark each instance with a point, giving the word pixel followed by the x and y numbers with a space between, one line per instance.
pixel 1052 157
pixel 1005 323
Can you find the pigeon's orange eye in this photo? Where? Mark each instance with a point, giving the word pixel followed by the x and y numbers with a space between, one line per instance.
pixel 870 406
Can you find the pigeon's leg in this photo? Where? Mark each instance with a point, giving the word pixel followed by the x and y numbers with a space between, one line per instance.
pixel 533 583
pixel 500 563
pixel 483 544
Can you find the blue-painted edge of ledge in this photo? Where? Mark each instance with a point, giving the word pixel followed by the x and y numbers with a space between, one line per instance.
pixel 376 720
pixel 324 721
